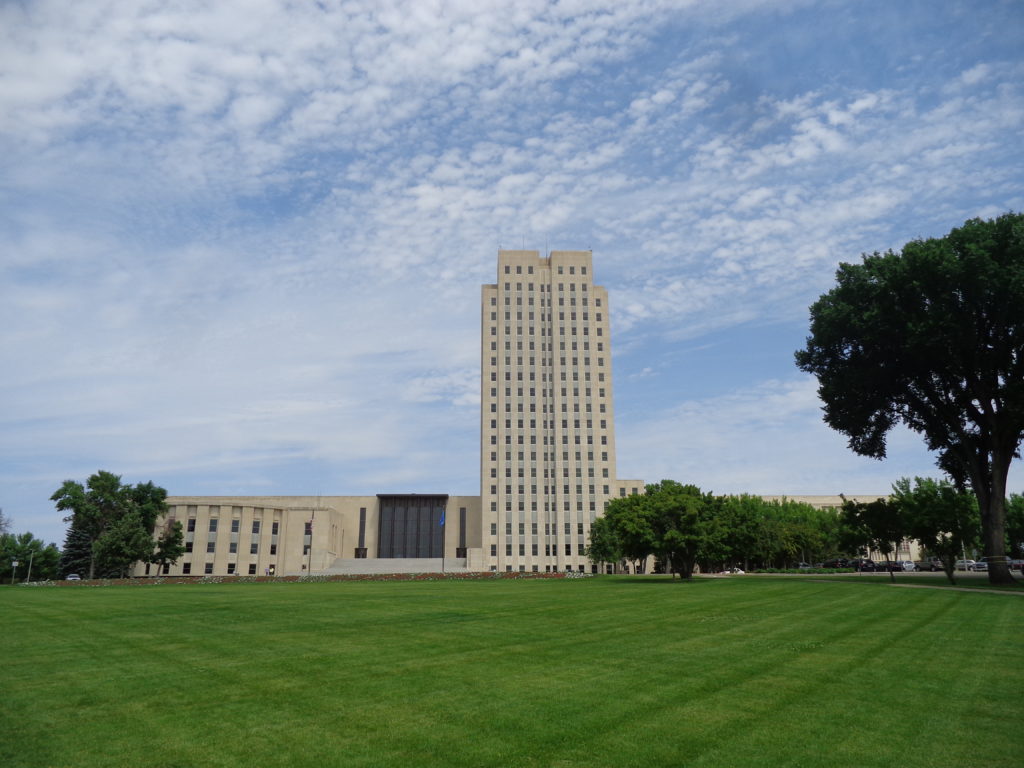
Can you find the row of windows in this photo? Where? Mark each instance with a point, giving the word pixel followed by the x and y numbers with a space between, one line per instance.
pixel 545 408
pixel 549 529
pixel 548 507
pixel 544 375
pixel 186 569
pixel 552 456
pixel 544 331
pixel 565 492
pixel 235 525
pixel 550 550
pixel 532 425
pixel 529 269
pixel 548 472
pixel 545 392
pixel 545 302
pixel 551 490
pixel 546 288
pixel 546 316
pixel 254 547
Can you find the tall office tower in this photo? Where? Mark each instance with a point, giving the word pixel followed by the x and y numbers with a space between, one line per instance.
pixel 547 452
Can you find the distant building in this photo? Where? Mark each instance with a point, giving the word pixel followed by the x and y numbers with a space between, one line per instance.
pixel 547 425
pixel 547 458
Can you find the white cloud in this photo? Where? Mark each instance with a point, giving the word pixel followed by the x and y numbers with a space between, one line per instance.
pixel 245 235
pixel 767 439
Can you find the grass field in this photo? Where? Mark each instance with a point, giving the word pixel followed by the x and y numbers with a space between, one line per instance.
pixel 613 671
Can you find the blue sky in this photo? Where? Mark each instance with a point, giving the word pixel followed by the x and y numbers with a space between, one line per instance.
pixel 241 246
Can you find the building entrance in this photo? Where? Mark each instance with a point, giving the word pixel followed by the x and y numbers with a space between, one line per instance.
pixel 411 525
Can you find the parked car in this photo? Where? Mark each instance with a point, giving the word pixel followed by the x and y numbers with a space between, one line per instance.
pixel 928 565
pixel 803 566
pixel 907 565
pixel 863 565
pixel 888 565
pixel 964 565
pixel 979 565
pixel 1017 565
pixel 72 577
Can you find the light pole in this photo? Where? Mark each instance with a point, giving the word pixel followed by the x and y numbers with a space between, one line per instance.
pixel 14 569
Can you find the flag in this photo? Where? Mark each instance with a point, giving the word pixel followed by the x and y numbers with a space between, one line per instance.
pixel 442 516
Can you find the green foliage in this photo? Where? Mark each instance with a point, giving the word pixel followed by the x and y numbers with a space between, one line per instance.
pixel 1015 526
pixel 878 524
pixel 170 545
pixel 941 517
pixel 933 338
pixel 604 545
pixel 76 555
pixel 875 524
pixel 628 530
pixel 682 527
pixel 27 549
pixel 684 523
pixel 112 526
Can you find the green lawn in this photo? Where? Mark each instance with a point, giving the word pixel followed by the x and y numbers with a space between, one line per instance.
pixel 614 671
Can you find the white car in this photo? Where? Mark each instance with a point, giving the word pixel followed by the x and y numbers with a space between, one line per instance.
pixel 908 565
pixel 965 565
pixel 72 577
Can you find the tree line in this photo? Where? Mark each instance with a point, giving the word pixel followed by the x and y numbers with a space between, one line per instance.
pixel 685 528
pixel 35 559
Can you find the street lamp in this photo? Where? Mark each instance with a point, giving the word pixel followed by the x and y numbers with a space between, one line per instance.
pixel 14 568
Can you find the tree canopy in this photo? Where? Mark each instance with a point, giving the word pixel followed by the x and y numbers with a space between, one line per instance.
pixel 874 524
pixel 943 518
pixel 112 526
pixel 933 338
pixel 683 527
pixel 29 552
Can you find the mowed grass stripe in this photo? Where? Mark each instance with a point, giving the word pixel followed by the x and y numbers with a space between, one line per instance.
pixel 610 671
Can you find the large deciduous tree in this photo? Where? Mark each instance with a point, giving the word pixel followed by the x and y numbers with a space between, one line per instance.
pixel 112 525
pixel 686 525
pixel 932 337
pixel 676 523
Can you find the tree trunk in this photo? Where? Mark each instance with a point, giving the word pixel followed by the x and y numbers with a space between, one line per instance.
pixel 993 524
pixel 949 566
